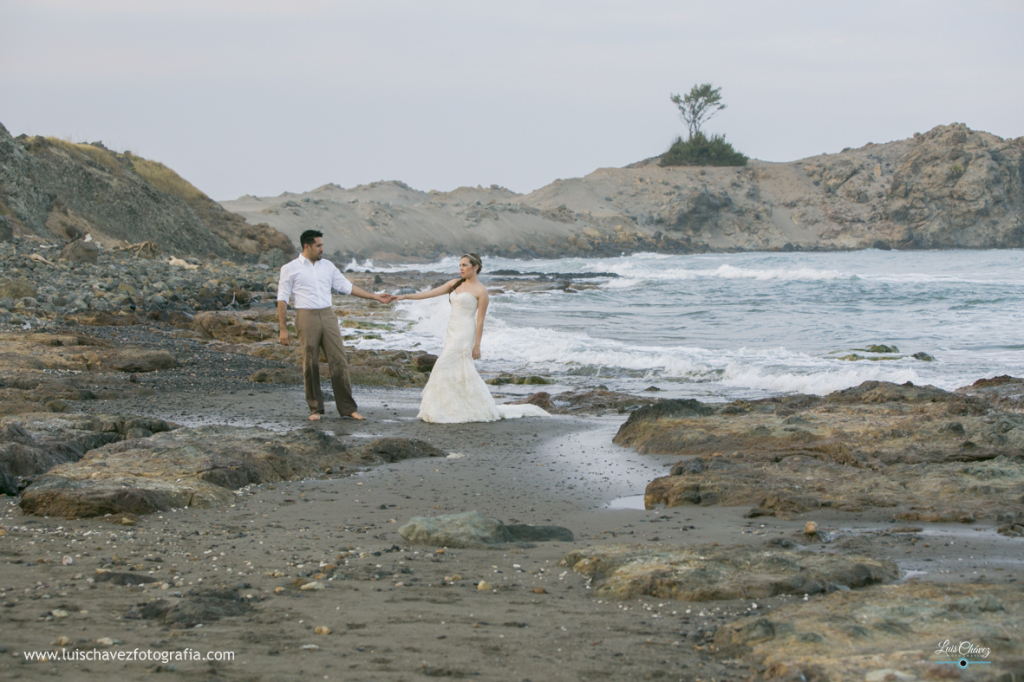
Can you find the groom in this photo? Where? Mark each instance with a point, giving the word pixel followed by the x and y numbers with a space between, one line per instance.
pixel 310 279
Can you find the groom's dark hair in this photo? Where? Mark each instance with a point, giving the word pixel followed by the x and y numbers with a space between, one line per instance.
pixel 309 236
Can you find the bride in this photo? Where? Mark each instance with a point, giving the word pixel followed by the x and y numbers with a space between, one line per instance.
pixel 455 393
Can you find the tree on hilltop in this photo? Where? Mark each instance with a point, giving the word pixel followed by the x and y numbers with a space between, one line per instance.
pixel 699 105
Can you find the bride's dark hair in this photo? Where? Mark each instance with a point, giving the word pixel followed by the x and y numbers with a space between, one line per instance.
pixel 475 261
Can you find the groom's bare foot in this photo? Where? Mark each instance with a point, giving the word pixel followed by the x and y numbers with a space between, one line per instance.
pixel 314 417
pixel 357 416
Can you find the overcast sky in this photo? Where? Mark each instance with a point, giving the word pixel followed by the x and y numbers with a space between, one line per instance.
pixel 259 97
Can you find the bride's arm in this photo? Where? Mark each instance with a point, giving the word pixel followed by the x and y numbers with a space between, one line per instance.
pixel 481 313
pixel 439 291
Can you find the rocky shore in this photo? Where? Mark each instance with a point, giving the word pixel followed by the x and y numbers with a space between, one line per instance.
pixel 949 187
pixel 162 491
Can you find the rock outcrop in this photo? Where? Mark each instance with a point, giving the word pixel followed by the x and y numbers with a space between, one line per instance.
pixel 712 573
pixel 951 187
pixel 473 530
pixel 888 632
pixel 918 452
pixel 33 443
pixel 198 467
pixel 64 190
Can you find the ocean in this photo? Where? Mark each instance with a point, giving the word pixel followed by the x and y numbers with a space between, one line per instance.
pixel 719 327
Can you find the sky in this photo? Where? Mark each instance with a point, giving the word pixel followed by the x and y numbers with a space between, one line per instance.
pixel 260 97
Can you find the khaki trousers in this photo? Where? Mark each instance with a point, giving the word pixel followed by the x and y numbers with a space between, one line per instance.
pixel 318 328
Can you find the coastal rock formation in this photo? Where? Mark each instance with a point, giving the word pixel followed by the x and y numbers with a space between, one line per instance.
pixel 64 190
pixel 475 531
pixel 919 452
pixel 32 444
pixel 709 573
pixel 951 187
pixel 888 632
pixel 78 353
pixel 188 467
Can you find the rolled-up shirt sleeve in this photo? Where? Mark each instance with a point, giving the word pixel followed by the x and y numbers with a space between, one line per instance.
pixel 340 283
pixel 284 284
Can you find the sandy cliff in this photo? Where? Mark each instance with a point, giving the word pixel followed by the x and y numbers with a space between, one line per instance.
pixel 951 187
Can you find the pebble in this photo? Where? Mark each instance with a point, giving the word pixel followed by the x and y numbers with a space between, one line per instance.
pixel 483 585
pixel 539 590
pixel 63 641
pixel 316 585
pixel 810 528
pixel 322 630
pixel 278 590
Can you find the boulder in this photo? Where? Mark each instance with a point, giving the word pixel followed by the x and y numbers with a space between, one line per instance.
pixel 706 573
pixel 280 375
pixel 476 531
pixel 137 360
pixel 80 251
pixel 387 450
pixel 886 632
pixel 425 362
pixel 33 443
pixel 17 288
pixel 198 467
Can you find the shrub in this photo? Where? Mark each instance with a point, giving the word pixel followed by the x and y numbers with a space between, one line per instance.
pixel 164 179
pixel 700 150
pixel 96 154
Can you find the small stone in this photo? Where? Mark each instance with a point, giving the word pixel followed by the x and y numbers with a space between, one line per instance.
pixel 312 586
pixel 278 590
pixel 322 630
pixel 539 590
pixel 67 561
pixel 125 521
pixel 810 528
pixel 59 613
pixel 483 585
pixel 105 641
pixel 2 532
pixel 63 641
pixel 309 647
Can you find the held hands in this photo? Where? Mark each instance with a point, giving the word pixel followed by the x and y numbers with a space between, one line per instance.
pixel 386 299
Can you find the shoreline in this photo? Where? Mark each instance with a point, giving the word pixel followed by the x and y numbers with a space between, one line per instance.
pixel 533 623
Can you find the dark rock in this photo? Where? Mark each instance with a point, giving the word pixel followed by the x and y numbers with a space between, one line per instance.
pixel 425 362
pixel 397 449
pixel 282 375
pixel 124 579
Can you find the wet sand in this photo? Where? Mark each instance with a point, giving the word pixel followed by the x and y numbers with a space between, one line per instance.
pixel 409 612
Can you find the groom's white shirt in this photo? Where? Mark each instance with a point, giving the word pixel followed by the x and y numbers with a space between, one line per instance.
pixel 311 283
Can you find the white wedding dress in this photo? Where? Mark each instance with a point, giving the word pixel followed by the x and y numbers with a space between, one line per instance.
pixel 455 393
